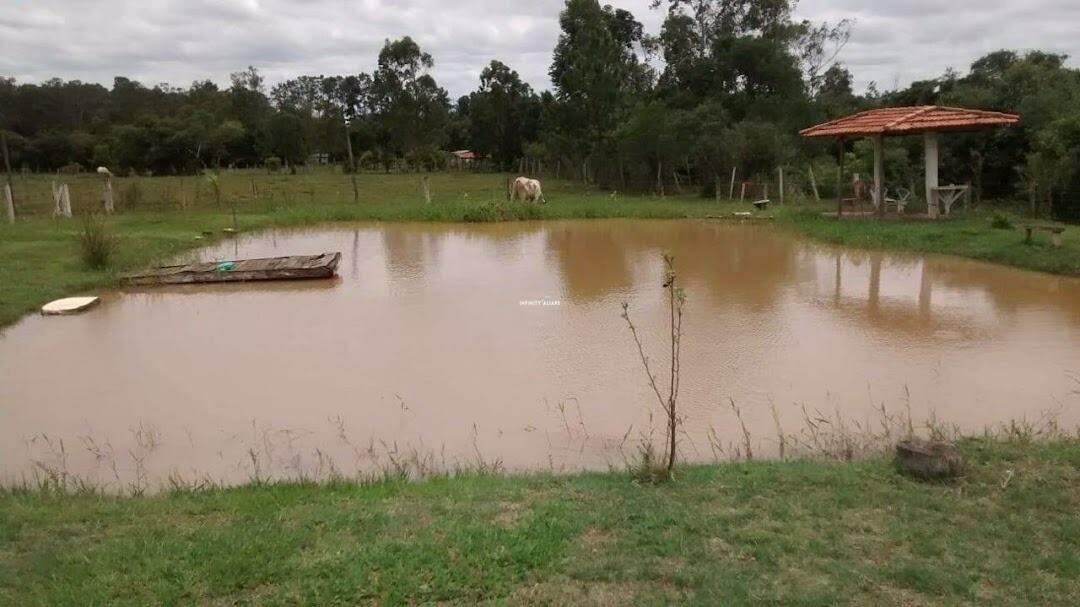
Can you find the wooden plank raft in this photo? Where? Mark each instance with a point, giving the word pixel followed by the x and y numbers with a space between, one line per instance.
pixel 272 268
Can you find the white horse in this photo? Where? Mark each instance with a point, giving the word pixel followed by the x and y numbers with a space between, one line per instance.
pixel 527 190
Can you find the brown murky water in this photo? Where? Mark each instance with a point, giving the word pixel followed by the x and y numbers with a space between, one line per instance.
pixel 455 344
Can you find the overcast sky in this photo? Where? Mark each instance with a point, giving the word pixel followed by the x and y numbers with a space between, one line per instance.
pixel 178 41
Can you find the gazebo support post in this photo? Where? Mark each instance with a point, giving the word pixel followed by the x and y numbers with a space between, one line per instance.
pixel 879 174
pixel 839 177
pixel 930 143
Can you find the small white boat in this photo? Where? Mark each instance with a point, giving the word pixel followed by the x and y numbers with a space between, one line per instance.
pixel 70 305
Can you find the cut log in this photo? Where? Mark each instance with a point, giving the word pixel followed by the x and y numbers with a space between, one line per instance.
pixel 929 459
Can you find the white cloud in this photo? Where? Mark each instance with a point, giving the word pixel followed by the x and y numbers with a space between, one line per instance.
pixel 178 41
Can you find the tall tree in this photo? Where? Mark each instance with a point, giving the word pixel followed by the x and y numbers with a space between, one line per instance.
pixel 502 114
pixel 411 107
pixel 595 69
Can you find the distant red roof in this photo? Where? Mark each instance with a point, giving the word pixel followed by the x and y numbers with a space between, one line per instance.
pixel 466 154
pixel 910 120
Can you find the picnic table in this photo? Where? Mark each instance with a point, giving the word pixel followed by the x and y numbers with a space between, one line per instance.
pixel 1054 231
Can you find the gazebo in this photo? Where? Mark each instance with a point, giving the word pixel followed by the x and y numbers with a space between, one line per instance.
pixel 929 120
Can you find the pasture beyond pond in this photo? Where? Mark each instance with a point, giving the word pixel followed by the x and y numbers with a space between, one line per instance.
pixel 161 216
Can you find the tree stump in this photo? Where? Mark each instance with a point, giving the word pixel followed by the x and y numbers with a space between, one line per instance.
pixel 929 459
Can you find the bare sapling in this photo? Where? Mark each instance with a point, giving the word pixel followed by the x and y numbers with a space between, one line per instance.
pixel 668 403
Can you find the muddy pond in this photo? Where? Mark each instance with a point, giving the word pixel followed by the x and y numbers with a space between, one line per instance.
pixel 503 345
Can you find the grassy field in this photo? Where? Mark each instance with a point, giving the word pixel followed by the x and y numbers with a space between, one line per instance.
pixel 802 533
pixel 161 216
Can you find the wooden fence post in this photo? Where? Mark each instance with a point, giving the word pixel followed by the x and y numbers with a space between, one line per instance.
pixel 731 190
pixel 9 201
pixel 65 200
pixel 9 195
pixel 781 170
pixel 57 202
pixel 107 193
pixel 813 183
pixel 426 187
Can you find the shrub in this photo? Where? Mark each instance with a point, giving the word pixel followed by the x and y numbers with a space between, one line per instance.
pixel 273 164
pixel 97 244
pixel 132 195
pixel 487 212
pixel 71 169
pixel 1001 222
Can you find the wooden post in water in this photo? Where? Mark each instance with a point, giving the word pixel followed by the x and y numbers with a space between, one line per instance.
pixel 9 195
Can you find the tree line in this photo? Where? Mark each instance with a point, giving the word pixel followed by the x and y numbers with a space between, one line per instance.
pixel 724 84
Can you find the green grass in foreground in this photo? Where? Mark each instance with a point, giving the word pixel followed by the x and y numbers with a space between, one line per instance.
pixel 801 532
pixel 162 216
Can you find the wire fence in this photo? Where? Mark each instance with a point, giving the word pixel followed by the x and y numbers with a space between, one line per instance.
pixel 255 190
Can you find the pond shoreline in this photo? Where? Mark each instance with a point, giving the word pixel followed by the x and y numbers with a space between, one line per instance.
pixel 39 258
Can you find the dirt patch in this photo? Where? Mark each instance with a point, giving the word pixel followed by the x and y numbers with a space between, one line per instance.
pixel 595 541
pixel 509 514
pixel 589 594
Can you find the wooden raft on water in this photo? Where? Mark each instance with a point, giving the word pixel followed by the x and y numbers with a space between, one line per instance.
pixel 272 268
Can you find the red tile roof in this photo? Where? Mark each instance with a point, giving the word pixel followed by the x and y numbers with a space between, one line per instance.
pixel 909 120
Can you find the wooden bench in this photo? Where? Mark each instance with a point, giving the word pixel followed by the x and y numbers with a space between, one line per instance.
pixel 1054 231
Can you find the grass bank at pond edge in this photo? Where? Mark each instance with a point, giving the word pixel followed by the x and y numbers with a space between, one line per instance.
pixel 40 260
pixel 971 237
pixel 800 532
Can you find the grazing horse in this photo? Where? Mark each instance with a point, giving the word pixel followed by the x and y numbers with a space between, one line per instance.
pixel 527 190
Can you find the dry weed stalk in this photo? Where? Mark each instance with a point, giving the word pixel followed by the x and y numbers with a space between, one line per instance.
pixel 676 301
